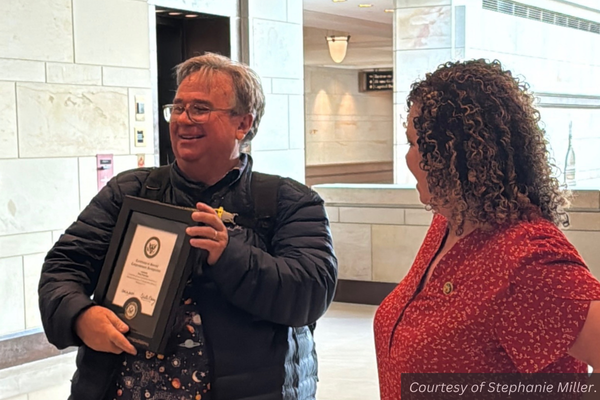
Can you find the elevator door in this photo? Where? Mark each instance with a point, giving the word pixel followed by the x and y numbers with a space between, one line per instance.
pixel 179 37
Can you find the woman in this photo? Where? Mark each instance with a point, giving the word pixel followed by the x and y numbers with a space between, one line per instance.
pixel 495 287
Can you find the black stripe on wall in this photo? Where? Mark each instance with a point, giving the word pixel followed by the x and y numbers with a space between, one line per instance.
pixel 362 292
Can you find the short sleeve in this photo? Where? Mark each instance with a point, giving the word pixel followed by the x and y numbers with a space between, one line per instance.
pixel 545 304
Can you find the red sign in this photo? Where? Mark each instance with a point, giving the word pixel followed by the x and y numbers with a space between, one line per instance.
pixel 105 169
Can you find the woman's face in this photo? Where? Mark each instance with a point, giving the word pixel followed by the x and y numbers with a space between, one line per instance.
pixel 413 158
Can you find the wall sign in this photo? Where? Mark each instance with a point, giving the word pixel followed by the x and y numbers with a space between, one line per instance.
pixel 104 168
pixel 375 80
pixel 140 136
pixel 140 109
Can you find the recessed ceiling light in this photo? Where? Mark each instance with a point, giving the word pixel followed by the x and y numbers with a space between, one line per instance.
pixel 191 15
pixel 365 5
pixel 175 13
pixel 338 1
pixel 389 10
pixel 161 11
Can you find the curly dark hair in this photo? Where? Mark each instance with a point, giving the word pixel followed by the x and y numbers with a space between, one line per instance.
pixel 482 147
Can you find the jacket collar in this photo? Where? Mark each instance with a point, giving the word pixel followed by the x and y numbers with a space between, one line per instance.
pixel 198 191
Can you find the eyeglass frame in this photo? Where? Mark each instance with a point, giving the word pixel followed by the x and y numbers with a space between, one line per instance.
pixel 186 109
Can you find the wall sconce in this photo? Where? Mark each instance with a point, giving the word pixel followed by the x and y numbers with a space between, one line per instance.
pixel 337 47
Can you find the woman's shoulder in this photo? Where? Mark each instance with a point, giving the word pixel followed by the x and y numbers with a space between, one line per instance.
pixel 538 243
pixel 535 231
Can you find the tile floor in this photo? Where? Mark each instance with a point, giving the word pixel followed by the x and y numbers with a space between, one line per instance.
pixel 347 367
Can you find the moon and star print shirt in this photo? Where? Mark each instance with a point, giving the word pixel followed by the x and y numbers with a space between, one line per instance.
pixel 181 375
pixel 507 300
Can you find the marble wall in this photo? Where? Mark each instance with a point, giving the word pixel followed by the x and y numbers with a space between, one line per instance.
pixel 275 52
pixel 378 229
pixel 69 73
pixel 344 125
pixel 423 39
pixel 561 64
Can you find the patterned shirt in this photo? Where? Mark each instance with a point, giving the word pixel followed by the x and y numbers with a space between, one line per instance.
pixel 501 301
pixel 182 374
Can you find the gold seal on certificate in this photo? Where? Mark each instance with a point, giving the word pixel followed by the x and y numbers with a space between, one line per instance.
pixel 146 269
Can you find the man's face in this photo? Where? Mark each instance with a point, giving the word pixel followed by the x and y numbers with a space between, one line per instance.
pixel 217 139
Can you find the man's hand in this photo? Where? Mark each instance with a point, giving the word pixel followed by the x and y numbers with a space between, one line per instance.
pixel 101 330
pixel 212 236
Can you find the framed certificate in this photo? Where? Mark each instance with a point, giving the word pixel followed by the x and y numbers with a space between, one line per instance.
pixel 146 269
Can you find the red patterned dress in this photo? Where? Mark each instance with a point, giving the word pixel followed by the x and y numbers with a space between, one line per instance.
pixel 503 301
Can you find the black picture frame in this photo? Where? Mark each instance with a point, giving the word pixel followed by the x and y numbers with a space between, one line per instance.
pixel 142 289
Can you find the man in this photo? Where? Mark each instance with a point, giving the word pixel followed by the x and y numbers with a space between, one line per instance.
pixel 242 330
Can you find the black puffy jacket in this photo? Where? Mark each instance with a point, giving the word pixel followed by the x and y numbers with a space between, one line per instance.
pixel 255 305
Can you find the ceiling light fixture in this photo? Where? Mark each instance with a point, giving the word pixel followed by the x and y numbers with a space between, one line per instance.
pixel 191 15
pixel 365 5
pixel 338 1
pixel 175 13
pixel 338 45
pixel 389 10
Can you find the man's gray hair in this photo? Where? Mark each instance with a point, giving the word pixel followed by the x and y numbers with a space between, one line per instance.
pixel 249 96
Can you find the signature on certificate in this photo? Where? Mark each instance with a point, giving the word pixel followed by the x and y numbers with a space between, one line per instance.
pixel 148 298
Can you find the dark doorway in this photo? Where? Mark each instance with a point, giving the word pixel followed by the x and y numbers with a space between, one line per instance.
pixel 179 36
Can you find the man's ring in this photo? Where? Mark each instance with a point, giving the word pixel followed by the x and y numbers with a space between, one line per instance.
pixel 215 237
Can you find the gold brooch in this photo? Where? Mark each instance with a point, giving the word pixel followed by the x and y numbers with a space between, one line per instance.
pixel 448 288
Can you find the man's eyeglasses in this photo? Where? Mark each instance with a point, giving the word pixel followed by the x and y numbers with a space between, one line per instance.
pixel 198 114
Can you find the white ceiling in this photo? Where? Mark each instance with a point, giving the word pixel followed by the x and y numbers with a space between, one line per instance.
pixel 370 31
pixel 350 9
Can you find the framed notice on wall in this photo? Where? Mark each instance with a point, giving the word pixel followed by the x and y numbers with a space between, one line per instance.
pixel 146 269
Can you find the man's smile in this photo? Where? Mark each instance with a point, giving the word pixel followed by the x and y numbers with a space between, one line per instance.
pixel 191 137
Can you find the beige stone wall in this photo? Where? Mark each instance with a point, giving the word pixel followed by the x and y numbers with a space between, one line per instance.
pixel 276 54
pixel 378 229
pixel 344 125
pixel 423 39
pixel 69 73
pixel 561 64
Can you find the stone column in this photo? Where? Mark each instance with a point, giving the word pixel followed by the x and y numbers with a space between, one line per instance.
pixel 275 51
pixel 427 33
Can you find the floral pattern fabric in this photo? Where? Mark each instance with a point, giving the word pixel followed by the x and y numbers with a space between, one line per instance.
pixel 503 301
